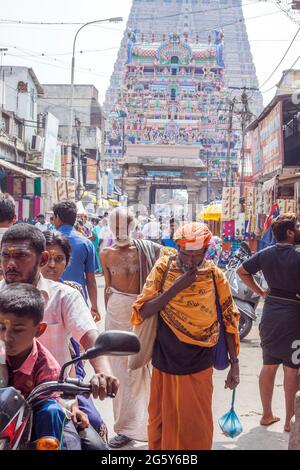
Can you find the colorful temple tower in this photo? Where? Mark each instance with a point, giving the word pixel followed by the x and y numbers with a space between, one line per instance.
pixel 154 20
pixel 167 104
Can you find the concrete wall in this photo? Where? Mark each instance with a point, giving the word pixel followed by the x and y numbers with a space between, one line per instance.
pixel 56 100
pixel 24 105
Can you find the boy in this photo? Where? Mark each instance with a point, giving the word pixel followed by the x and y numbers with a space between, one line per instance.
pixel 29 363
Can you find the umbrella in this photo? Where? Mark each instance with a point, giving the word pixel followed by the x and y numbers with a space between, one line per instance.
pixel 211 212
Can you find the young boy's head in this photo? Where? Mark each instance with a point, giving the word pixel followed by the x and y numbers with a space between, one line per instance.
pixel 21 317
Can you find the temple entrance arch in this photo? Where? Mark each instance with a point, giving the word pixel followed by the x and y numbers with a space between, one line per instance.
pixel 156 191
pixel 149 169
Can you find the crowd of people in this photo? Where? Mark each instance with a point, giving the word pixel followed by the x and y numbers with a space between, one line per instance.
pixel 49 309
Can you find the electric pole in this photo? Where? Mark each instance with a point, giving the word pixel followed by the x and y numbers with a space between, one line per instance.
pixel 100 155
pixel 230 129
pixel 207 179
pixel 245 118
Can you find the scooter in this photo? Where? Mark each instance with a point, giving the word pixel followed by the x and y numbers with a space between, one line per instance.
pixel 16 412
pixel 245 299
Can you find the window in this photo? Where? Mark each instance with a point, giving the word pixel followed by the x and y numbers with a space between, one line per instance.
pixel 5 123
pixel 18 129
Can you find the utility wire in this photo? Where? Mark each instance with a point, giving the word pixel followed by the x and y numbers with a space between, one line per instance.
pixel 240 20
pixel 274 86
pixel 61 23
pixel 284 56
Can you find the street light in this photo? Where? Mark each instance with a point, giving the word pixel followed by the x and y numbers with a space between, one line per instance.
pixel 109 20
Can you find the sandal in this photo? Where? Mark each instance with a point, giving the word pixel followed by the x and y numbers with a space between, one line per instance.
pixel 119 441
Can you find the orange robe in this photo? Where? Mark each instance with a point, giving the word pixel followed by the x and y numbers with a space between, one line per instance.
pixel 180 411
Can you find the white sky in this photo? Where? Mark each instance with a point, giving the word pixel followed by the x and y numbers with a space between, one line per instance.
pixel 269 38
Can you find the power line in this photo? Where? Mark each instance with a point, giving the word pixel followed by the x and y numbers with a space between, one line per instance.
pixel 78 108
pixel 62 23
pixel 274 86
pixel 64 66
pixel 35 54
pixel 284 56
pixel 32 53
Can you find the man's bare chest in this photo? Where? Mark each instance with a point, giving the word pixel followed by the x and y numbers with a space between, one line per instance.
pixel 124 264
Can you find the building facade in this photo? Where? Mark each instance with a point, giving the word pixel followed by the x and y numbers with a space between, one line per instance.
pixel 86 131
pixel 19 94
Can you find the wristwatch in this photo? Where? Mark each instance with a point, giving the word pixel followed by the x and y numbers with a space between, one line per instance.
pixel 234 361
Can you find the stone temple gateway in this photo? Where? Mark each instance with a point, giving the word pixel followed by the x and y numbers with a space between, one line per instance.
pixel 168 125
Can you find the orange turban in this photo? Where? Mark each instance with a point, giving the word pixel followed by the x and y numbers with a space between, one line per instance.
pixel 193 236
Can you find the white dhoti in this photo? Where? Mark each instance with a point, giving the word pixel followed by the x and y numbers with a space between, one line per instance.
pixel 131 403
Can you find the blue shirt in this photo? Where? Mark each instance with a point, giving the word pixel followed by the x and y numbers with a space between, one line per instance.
pixel 169 242
pixel 83 257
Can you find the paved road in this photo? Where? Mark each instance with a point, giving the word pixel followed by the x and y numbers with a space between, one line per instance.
pixel 254 437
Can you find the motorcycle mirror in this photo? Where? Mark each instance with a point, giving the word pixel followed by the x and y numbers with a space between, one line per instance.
pixel 113 343
pixel 109 343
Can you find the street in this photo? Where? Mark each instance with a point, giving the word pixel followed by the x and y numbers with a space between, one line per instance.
pixel 248 407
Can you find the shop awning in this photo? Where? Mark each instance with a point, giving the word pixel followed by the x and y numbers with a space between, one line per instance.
pixel 211 212
pixel 16 169
pixel 114 203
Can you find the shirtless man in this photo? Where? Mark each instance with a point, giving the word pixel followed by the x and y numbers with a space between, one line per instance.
pixel 125 268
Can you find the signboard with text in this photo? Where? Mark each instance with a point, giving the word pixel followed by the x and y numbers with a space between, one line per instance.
pixel 271 141
pixel 255 153
pixel 91 171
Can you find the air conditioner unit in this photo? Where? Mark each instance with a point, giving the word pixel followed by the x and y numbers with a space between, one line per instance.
pixel 37 143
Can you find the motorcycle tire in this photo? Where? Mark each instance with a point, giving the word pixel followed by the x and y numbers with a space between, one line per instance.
pixel 245 326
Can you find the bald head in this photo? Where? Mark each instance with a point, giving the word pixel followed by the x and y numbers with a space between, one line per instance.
pixel 122 223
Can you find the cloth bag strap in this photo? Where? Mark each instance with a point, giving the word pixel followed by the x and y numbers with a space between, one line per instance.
pixel 165 274
pixel 218 304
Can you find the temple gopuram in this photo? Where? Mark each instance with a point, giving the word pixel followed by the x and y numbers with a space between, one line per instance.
pixel 168 128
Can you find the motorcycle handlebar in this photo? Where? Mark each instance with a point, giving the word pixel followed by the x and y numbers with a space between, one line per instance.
pixel 75 387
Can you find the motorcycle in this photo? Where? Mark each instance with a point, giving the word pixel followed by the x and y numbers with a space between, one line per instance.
pixel 245 299
pixel 16 412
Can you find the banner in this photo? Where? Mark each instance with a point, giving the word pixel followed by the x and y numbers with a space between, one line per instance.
pixel 255 153
pixel 61 190
pixel 91 171
pixel 71 190
pixel 58 159
pixel 50 147
pixel 271 140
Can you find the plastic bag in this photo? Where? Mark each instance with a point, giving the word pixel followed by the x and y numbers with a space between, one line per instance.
pixel 230 423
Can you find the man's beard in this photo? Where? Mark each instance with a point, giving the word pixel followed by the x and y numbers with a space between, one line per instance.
pixel 31 277
pixel 185 267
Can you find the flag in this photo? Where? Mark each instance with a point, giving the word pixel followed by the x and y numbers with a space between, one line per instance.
pixel 268 238
pixel 274 212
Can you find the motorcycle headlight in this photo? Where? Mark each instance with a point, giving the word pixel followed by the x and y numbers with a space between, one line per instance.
pixel 47 443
